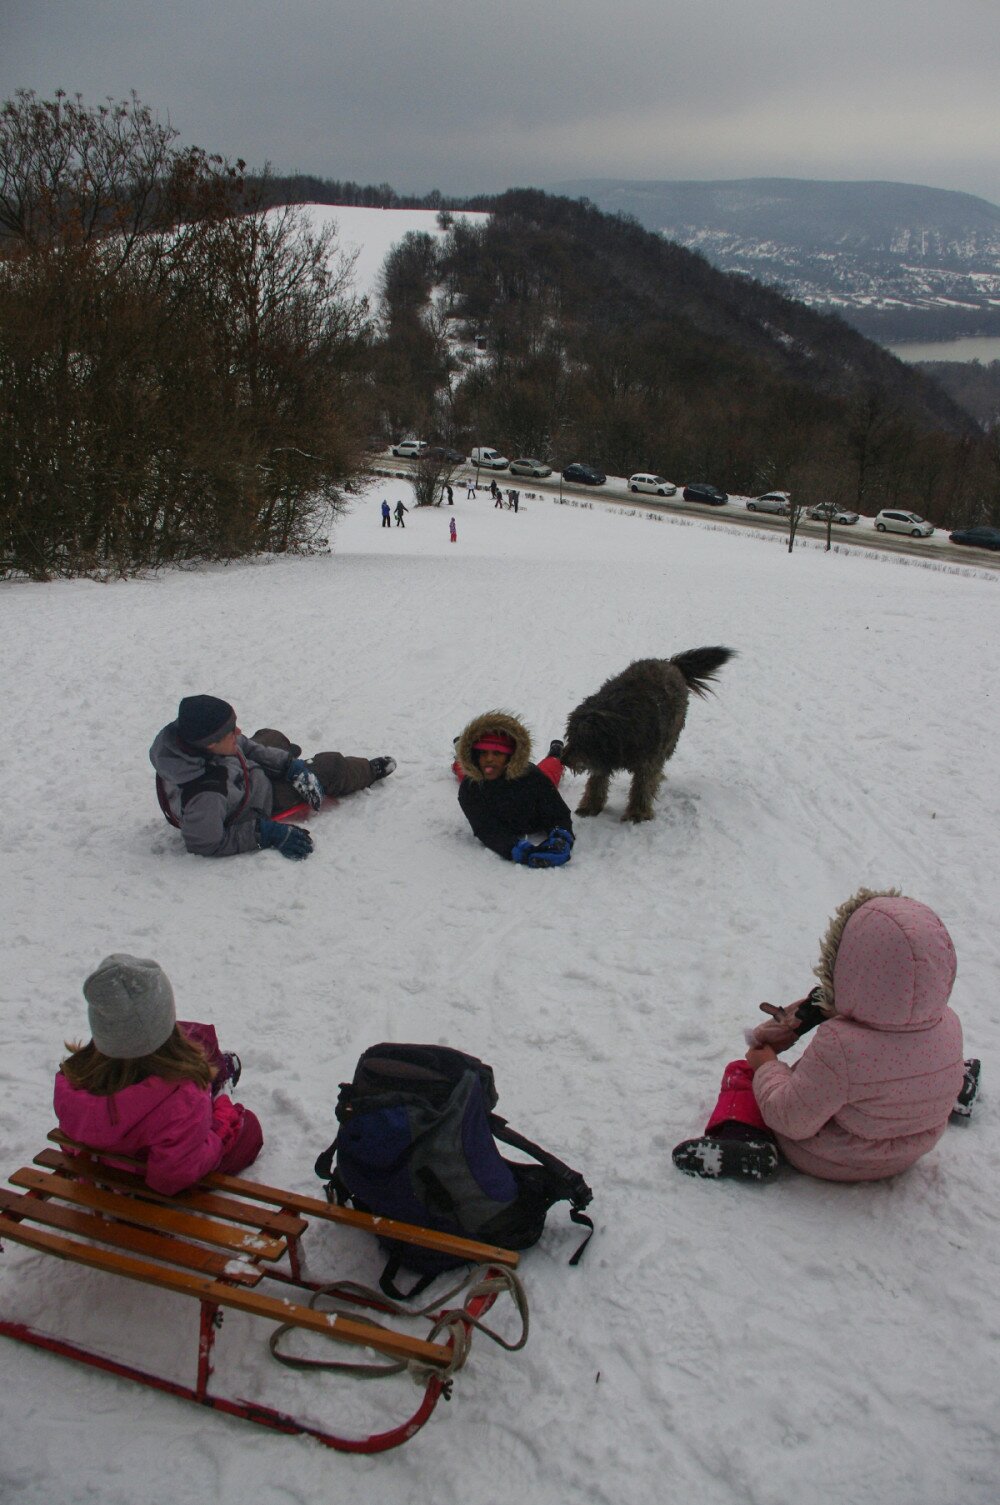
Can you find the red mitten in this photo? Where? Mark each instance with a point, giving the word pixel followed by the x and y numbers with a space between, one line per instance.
pixel 227 1119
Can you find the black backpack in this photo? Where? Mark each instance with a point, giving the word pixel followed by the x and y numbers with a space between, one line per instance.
pixel 417 1142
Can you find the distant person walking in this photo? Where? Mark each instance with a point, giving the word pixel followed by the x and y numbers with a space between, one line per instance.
pixel 386 516
pixel 452 530
pixel 451 496
pixel 516 497
pixel 400 510
pixel 497 498
pixel 470 483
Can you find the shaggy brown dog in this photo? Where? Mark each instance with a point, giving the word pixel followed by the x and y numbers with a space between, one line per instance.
pixel 633 722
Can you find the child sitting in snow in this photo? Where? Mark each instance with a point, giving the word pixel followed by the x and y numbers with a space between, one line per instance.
pixel 150 1087
pixel 875 1089
pixel 504 795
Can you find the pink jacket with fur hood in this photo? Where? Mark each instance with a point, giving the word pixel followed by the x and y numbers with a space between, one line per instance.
pixel 874 1089
pixel 172 1123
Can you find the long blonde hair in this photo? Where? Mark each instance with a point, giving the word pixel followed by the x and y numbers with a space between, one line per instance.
pixel 178 1059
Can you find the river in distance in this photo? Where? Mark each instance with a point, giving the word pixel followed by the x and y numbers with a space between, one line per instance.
pixel 973 347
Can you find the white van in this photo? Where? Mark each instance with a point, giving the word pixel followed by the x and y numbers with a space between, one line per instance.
pixel 489 459
pixel 644 481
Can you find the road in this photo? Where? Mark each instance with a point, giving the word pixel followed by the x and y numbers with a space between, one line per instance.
pixel 616 493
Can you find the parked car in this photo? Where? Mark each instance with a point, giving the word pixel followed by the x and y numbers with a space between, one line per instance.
pixel 410 448
pixel 891 521
pixel 700 491
pixel 529 467
pixel 584 474
pixel 829 511
pixel 443 453
pixel 489 459
pixel 778 502
pixel 655 485
pixel 978 538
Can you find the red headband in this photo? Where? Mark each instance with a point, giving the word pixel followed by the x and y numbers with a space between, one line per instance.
pixel 494 742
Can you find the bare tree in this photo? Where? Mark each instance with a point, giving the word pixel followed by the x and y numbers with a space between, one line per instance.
pixel 181 375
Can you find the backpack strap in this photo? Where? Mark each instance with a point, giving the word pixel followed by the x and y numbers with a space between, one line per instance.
pixel 161 795
pixel 576 1191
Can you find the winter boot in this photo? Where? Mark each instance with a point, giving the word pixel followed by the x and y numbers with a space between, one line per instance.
pixel 232 1067
pixel 970 1088
pixel 381 767
pixel 715 1158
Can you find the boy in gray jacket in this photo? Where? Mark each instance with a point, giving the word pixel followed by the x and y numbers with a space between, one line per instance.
pixel 222 789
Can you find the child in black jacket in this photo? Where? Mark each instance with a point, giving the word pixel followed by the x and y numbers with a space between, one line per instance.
pixel 504 796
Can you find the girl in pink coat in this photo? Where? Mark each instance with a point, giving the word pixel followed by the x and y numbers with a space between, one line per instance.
pixel 148 1087
pixel 879 1081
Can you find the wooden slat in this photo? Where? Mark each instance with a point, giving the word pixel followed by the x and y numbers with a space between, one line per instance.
pixel 125 1236
pixel 274 1308
pixel 409 1233
pixel 163 1218
pixel 281 1224
pixel 318 1207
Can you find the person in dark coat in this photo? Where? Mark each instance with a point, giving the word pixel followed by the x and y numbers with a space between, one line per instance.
pixel 400 510
pixel 505 797
pixel 386 515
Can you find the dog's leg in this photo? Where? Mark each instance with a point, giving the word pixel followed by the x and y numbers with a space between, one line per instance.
pixel 642 792
pixel 595 795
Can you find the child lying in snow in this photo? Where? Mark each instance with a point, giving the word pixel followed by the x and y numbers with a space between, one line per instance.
pixel 877 1085
pixel 504 796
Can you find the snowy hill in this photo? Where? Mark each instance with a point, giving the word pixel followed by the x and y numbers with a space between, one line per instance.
pixel 795 1344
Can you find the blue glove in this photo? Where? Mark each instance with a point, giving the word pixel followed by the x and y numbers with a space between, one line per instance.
pixel 291 841
pixel 525 852
pixel 304 782
pixel 558 840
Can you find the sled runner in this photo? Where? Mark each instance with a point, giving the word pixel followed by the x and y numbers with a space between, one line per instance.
pixel 221 1242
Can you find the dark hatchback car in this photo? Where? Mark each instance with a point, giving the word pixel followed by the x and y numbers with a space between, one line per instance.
pixel 978 538
pixel 449 456
pixel 584 474
pixel 700 491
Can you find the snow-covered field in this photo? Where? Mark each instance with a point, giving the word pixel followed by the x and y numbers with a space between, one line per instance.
pixel 369 235
pixel 792 1344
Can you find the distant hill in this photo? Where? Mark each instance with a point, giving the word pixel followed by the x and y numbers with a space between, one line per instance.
pixel 897 260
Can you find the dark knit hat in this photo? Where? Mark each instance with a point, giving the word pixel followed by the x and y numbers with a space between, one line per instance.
pixel 204 718
pixel 131 1007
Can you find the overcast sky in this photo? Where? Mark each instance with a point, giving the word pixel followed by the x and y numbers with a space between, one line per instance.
pixel 480 95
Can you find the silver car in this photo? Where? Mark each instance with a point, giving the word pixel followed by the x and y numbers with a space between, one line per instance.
pixel 528 467
pixel 891 521
pixel 829 512
pixel 778 502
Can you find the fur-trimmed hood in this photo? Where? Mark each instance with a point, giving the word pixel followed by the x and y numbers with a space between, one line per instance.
pixel 886 961
pixel 495 721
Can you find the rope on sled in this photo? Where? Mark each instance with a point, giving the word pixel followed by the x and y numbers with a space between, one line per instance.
pixel 456 1321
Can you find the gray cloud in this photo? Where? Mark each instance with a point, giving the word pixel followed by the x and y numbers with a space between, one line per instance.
pixel 476 95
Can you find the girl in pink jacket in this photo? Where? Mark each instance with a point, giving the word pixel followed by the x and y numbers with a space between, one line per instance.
pixel 879 1081
pixel 149 1087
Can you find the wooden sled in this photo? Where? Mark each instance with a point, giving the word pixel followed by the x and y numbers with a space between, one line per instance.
pixel 219 1242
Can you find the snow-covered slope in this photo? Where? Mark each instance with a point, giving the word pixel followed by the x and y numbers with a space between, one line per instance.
pixel 792 1344
pixel 370 234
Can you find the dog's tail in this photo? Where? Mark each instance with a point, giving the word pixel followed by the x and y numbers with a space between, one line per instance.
pixel 699 665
